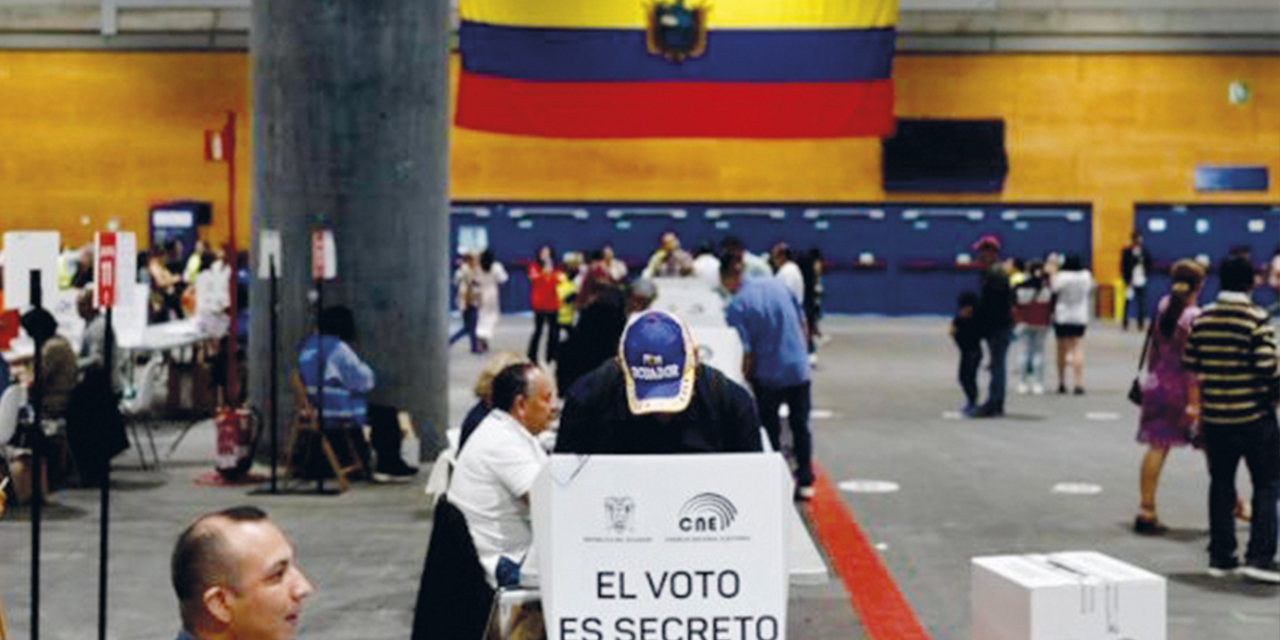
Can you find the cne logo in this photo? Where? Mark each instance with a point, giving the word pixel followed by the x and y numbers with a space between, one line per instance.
pixel 651 360
pixel 676 30
pixel 707 513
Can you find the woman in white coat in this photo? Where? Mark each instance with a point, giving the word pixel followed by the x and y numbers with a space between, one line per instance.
pixel 490 277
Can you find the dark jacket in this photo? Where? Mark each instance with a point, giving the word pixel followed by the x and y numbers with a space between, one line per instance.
pixel 995 306
pixel 454 599
pixel 721 418
pixel 594 340
pixel 1129 261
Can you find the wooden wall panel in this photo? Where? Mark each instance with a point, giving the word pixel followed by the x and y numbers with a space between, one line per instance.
pixel 91 136
pixel 104 134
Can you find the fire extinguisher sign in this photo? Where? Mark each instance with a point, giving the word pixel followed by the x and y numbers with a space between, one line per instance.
pixel 105 271
pixel 113 268
pixel 324 255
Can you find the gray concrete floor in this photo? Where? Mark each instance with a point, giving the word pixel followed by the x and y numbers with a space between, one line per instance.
pixel 968 488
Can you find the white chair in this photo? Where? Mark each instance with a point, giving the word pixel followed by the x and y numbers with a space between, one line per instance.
pixel 14 397
pixel 141 409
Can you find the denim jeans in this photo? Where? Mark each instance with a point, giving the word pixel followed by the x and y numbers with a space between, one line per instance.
pixel 1138 305
pixel 798 401
pixel 551 319
pixel 970 361
pixel 469 315
pixel 998 348
pixel 1032 365
pixel 1258 443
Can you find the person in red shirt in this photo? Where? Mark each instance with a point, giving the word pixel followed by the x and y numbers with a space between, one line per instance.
pixel 543 278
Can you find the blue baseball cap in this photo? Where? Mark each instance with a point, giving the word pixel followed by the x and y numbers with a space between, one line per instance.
pixel 659 361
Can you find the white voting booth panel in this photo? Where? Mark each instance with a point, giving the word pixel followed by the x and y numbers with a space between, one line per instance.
pixel 720 347
pixel 663 546
pixel 691 300
pixel 1075 595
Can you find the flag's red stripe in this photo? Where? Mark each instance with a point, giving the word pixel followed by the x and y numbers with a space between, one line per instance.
pixel 883 611
pixel 675 109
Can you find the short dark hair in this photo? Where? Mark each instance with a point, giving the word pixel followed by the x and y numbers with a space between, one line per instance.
pixel 1236 273
pixel 200 559
pixel 1073 263
pixel 730 267
pixel 511 383
pixel 338 321
pixel 967 299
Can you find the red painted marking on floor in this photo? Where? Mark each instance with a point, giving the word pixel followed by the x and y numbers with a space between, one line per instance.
pixel 883 610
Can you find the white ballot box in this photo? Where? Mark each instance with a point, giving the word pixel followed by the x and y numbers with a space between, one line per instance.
pixel 663 546
pixel 1074 595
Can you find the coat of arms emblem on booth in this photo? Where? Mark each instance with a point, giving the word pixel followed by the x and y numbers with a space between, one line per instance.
pixel 677 30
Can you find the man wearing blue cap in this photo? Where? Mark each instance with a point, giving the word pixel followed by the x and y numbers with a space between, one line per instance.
pixel 771 322
pixel 657 398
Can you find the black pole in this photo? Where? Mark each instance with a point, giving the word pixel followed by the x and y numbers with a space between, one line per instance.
pixel 108 347
pixel 37 465
pixel 320 371
pixel 275 376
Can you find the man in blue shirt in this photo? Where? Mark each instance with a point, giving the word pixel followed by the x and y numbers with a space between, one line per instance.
pixel 771 322
pixel 344 393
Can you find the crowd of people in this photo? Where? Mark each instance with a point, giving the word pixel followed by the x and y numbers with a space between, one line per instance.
pixel 1207 375
pixel 1023 300
pixel 561 293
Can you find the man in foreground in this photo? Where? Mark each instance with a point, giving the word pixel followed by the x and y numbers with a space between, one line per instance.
pixel 236 578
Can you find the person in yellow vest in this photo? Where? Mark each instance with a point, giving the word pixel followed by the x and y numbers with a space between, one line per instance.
pixel 567 292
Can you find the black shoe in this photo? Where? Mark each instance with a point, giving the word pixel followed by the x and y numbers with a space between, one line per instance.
pixel 1221 568
pixel 395 471
pixel 988 411
pixel 1148 526
pixel 1062 389
pixel 1079 391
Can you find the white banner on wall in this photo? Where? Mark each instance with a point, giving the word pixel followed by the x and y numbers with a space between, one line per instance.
pixel 664 547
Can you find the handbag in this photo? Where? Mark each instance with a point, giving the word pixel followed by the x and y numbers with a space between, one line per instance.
pixel 1135 389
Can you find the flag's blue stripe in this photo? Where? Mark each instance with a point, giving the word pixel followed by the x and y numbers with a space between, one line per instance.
pixel 732 55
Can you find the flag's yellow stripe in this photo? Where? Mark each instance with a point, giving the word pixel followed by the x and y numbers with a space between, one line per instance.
pixel 723 14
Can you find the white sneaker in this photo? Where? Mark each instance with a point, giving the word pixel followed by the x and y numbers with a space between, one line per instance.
pixel 1022 388
pixel 1269 573
pixel 1037 389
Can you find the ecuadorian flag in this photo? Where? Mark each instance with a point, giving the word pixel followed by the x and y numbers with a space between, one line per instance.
pixel 678 68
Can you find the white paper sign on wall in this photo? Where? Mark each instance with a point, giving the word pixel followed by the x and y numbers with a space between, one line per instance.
pixel 663 546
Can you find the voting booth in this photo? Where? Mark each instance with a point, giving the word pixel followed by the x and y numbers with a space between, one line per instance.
pixel 702 552
pixel 1073 595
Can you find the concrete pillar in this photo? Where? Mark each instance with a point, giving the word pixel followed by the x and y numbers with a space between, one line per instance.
pixel 350 129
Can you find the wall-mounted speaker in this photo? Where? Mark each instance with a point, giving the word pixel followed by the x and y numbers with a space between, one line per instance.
pixel 945 156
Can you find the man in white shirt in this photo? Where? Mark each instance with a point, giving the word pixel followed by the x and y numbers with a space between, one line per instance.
pixel 787 271
pixel 495 472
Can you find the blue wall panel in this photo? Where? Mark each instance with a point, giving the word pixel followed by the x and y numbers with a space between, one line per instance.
pixel 885 258
pixel 1172 232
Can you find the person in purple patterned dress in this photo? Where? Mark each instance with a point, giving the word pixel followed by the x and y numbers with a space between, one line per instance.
pixel 1170 393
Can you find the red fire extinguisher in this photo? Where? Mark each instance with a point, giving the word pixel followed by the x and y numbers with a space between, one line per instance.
pixel 235 442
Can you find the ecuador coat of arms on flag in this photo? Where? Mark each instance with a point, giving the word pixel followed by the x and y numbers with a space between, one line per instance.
pixel 678 68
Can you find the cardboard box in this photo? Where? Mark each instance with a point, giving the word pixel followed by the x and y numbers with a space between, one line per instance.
pixel 1075 595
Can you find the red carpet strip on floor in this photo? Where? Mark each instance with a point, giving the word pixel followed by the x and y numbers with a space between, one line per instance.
pixel 883 610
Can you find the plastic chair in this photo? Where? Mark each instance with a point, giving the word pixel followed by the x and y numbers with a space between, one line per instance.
pixel 15 395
